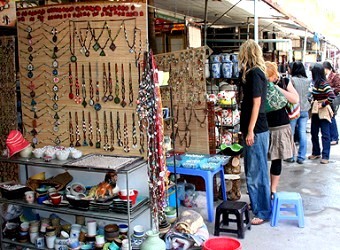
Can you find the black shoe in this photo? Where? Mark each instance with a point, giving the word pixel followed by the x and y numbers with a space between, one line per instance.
pixel 290 160
pixel 299 161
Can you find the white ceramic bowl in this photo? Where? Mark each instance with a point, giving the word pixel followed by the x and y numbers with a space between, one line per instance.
pixel 62 155
pixel 38 152
pixel 75 154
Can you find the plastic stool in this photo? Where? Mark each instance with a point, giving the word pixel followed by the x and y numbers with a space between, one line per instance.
pixel 238 208
pixel 287 198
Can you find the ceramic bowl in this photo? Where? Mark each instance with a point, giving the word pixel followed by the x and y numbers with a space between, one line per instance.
pixel 62 155
pixel 138 231
pixel 132 197
pixel 170 210
pixel 76 154
pixel 38 153
pixel 111 231
pixel 123 228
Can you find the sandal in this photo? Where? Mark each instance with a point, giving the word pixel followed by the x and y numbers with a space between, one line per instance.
pixel 313 157
pixel 257 221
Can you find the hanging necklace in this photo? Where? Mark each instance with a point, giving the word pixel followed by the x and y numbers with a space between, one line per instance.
pixel 202 122
pixel 112 45
pixel 104 98
pixel 91 102
pixel 134 132
pixel 96 46
pixel 110 97
pixel 126 136
pixel 137 56
pixel 118 132
pixel 112 133
pixel 130 87
pixel 77 99
pixel 70 80
pixel 70 129
pixel 77 130
pixel 90 131
pixel 106 145
pixel 83 86
pixel 123 103
pixel 131 47
pixel 84 129
pixel 97 105
pixel 84 50
pixel 72 47
pixel 98 134
pixel 141 137
pixel 116 99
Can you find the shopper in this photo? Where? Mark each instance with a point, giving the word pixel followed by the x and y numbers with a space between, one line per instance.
pixel 302 85
pixel 334 80
pixel 323 97
pixel 254 128
pixel 281 138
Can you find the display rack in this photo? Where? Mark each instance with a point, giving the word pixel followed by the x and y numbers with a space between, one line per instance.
pixel 135 165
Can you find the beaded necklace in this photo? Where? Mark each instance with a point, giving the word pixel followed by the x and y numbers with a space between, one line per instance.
pixel 90 131
pixel 98 134
pixel 106 145
pixel 70 129
pixel 126 136
pixel 112 133
pixel 91 102
pixel 84 129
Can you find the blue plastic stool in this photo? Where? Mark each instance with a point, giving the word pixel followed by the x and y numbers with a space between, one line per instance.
pixel 287 198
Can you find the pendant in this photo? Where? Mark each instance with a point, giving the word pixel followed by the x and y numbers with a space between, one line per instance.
pixel 29 36
pixel 84 103
pixel 116 100
pixel 55 79
pixel 82 50
pixel 87 53
pixel 30 74
pixel 104 98
pixel 55 88
pixel 35 115
pixel 35 140
pixel 55 97
pixel 71 96
pixel 110 98
pixel 55 49
pixel 112 148
pixel 77 100
pixel 71 145
pixel 106 147
pixel 55 106
pixel 91 143
pixel 54 38
pixel 32 94
pixel 73 58
pixel 91 102
pixel 96 46
pixel 78 144
pixel 97 106
pixel 54 56
pixel 30 58
pixel 55 64
pixel 34 132
pixel 29 29
pixel 85 143
pixel 55 72
pixel 131 50
pixel 102 53
pixel 113 46
pixel 30 67
pixel 123 103
pixel 55 128
pixel 97 144
pixel 30 49
pixel 56 116
pixel 33 102
pixel 57 141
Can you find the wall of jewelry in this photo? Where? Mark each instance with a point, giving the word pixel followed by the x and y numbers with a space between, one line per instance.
pixel 189 111
pixel 8 109
pixel 79 72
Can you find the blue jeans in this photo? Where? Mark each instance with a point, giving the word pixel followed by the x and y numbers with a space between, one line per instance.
pixel 325 127
pixel 301 122
pixel 257 177
pixel 334 130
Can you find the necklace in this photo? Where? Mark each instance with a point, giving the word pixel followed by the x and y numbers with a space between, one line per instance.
pixel 110 97
pixel 90 131
pixel 91 102
pixel 77 131
pixel 112 133
pixel 70 80
pixel 83 86
pixel 141 136
pixel 106 145
pixel 77 99
pixel 137 56
pixel 118 132
pixel 84 50
pixel 84 129
pixel 97 105
pixel 202 122
pixel 96 46
pixel 134 132
pixel 112 45
pixel 98 134
pixel 126 136
pixel 104 98
pixel 130 87
pixel 123 103
pixel 70 129
pixel 131 50
pixel 116 99
pixel 72 47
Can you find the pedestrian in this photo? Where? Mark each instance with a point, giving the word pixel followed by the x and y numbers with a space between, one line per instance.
pixel 323 97
pixel 254 127
pixel 334 80
pixel 281 138
pixel 302 85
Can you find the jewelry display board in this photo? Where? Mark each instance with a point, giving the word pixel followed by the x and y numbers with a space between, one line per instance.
pixel 8 109
pixel 187 80
pixel 80 68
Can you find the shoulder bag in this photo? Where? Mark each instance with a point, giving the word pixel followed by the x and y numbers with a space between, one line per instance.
pixel 275 99
pixel 293 110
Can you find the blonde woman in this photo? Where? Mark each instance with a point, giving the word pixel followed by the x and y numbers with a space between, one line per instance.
pixel 254 128
pixel 281 139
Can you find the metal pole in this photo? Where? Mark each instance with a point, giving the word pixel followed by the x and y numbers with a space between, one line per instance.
pixel 205 22
pixel 256 22
pixel 304 48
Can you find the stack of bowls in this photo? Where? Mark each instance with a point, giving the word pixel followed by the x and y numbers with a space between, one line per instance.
pixel 111 231
pixel 170 213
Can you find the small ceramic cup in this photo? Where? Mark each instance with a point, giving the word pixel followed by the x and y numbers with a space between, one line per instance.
pixel 29 196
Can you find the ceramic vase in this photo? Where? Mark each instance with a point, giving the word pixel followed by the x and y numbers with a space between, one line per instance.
pixel 153 241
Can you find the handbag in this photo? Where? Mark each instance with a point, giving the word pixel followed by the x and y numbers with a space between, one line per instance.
pixel 275 99
pixel 293 110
